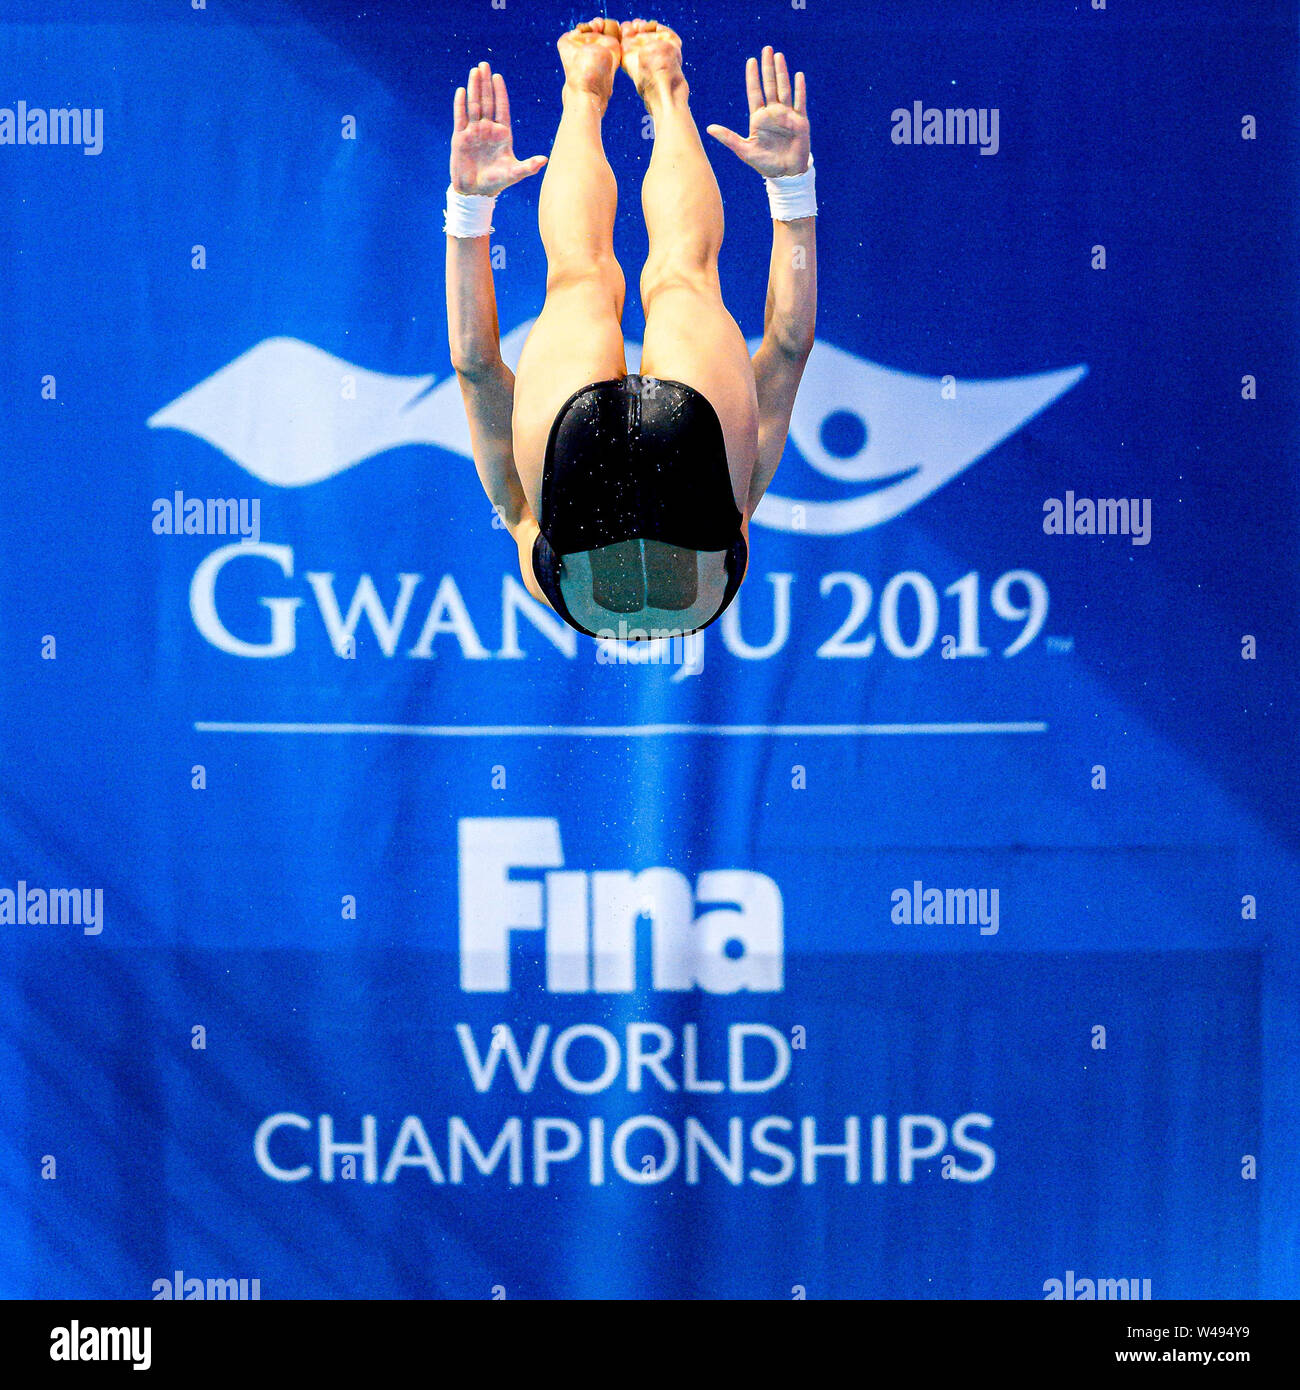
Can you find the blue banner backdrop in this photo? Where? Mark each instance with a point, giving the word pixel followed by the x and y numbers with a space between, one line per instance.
pixel 420 947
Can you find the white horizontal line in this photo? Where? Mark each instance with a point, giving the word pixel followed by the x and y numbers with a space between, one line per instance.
pixel 620 730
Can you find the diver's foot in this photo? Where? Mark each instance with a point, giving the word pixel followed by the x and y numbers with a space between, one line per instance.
pixel 652 57
pixel 590 54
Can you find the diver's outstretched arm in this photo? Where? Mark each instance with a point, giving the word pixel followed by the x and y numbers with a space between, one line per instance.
pixel 787 343
pixel 482 164
pixel 778 147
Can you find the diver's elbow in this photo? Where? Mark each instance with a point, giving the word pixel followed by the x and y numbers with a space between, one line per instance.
pixel 475 362
pixel 794 341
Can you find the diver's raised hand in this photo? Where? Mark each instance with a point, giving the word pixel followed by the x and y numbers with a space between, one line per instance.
pixel 482 152
pixel 778 140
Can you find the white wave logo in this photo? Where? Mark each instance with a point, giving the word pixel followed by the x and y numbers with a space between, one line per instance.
pixel 292 414
pixel 915 440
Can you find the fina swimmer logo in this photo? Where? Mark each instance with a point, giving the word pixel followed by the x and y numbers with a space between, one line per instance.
pixel 589 921
pixel 292 415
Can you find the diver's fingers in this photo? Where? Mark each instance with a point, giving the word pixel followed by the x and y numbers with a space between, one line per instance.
pixel 800 94
pixel 769 74
pixel 488 91
pixel 752 88
pixel 735 143
pixel 458 113
pixel 782 80
pixel 502 100
pixel 528 167
pixel 474 101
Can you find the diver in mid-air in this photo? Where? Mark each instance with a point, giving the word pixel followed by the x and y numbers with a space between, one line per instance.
pixel 629 496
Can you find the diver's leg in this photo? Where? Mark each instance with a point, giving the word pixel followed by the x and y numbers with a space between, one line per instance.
pixel 690 336
pixel 577 338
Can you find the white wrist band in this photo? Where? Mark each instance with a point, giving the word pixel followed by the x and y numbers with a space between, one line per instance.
pixel 793 196
pixel 468 215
